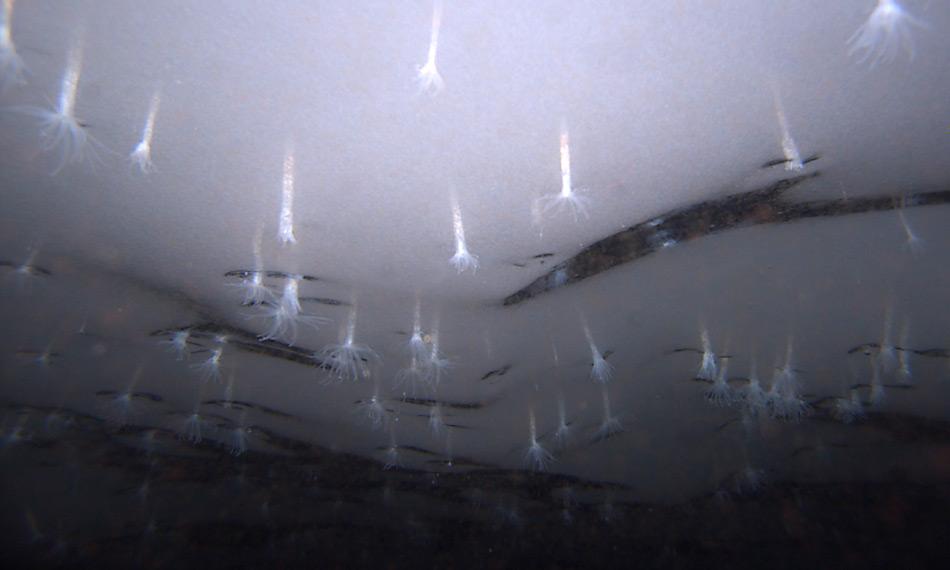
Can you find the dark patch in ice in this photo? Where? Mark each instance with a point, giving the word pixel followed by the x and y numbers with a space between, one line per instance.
pixel 247 341
pixel 762 206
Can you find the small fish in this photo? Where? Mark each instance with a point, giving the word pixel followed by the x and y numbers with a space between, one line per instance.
pixel 27 269
pixel 325 301
pixel 873 348
pixel 140 395
pixel 40 357
pixel 497 372
pixel 933 352
pixel 428 402
pixel 896 386
pixel 246 273
pixel 778 161
pixel 541 257
pixel 282 275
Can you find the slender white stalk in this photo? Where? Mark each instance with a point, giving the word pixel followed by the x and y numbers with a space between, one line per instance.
pixel 12 68
pixel 285 231
pixel 784 396
pixel 392 452
pixel 463 259
pixel 178 343
pixel 754 397
pixel 563 427
pixel 904 374
pixel 426 363
pixel 536 457
pixel 568 198
pixel 413 377
pixel 877 386
pixel 567 188
pixel 70 83
pixel 793 159
pixel 349 360
pixel 789 382
pixel 611 425
pixel 291 296
pixel 239 437
pixel 428 76
pixel 210 368
pixel 60 130
pixel 141 155
pixel 437 363
pixel 417 344
pixel 708 366
pixel 350 328
pixel 911 240
pixel 436 421
pixel 121 406
pixel 229 389
pixel 720 393
pixel 286 314
pixel 252 282
pixel 449 454
pixel 887 354
pixel 372 409
pixel 191 428
pixel 601 370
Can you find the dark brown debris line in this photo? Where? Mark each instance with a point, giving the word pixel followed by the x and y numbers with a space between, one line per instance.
pixel 242 405
pixel 246 273
pixel 778 161
pixel 872 348
pixel 763 206
pixel 139 395
pixel 325 301
pixel 247 341
pixel 429 402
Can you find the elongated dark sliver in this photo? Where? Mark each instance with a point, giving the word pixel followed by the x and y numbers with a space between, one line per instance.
pixel 756 207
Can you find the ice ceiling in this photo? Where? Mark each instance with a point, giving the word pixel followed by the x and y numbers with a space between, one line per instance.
pixel 711 238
